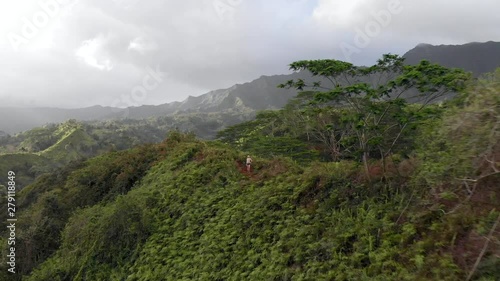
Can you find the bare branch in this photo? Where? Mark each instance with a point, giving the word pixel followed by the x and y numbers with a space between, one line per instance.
pixel 483 251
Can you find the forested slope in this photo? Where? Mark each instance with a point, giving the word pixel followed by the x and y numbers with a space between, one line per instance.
pixel 185 209
pixel 45 149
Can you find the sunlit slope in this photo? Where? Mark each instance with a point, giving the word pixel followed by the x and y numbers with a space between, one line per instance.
pixel 196 215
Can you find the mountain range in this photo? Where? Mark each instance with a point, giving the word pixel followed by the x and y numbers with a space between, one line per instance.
pixel 478 58
pixel 259 94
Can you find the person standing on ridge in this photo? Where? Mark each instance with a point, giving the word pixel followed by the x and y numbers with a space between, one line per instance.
pixel 249 163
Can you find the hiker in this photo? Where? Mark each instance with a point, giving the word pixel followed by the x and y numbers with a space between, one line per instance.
pixel 249 162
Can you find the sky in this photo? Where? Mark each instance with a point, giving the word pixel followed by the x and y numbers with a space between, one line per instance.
pixel 80 53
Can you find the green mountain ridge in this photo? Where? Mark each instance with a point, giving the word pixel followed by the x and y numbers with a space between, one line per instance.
pixel 186 209
pixel 478 58
pixel 58 144
pixel 192 213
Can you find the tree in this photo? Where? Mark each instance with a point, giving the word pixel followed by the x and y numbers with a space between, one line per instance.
pixel 270 134
pixel 373 102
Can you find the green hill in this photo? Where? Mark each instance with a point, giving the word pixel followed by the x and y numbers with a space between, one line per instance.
pixel 45 149
pixel 69 146
pixel 186 209
pixel 196 216
pixel 30 164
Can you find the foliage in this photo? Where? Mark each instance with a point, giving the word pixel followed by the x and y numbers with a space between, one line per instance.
pixel 186 209
pixel 460 169
pixel 466 140
pixel 49 202
pixel 377 110
pixel 195 216
pixel 268 136
pixel 54 145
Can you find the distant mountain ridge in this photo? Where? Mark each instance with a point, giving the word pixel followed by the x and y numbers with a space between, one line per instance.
pixel 478 58
pixel 259 94
pixel 28 118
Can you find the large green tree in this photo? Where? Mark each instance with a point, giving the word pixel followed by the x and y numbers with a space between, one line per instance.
pixel 374 103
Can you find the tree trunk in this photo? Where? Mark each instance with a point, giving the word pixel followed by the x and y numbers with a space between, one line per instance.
pixel 365 163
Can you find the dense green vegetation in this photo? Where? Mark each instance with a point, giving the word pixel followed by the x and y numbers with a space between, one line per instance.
pixel 185 209
pixel 46 149
pixel 359 113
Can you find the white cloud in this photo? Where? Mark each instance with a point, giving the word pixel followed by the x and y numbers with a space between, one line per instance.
pixel 338 13
pixel 141 45
pixel 91 52
pixel 72 56
pixel 126 4
pixel 444 21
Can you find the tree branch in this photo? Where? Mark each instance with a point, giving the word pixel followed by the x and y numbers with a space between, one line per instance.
pixel 483 251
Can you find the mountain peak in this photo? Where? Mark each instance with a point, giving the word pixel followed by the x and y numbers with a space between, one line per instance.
pixel 421 45
pixel 476 57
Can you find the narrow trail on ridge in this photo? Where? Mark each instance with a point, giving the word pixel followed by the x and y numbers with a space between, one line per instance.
pixel 243 169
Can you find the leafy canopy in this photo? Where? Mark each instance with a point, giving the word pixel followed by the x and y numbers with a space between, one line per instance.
pixel 375 102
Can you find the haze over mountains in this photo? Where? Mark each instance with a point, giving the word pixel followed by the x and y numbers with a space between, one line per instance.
pixel 259 94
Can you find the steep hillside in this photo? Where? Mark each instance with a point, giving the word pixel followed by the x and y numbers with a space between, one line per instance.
pixel 46 149
pixel 70 145
pixel 478 58
pixel 260 94
pixel 29 165
pixel 56 145
pixel 186 209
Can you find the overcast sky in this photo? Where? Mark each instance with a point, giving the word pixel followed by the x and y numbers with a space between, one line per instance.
pixel 79 53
